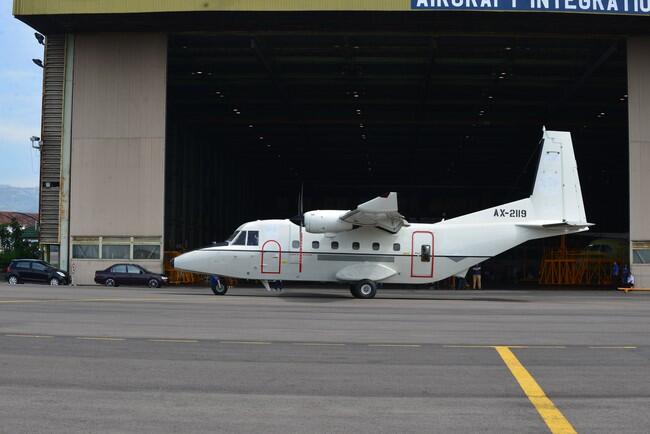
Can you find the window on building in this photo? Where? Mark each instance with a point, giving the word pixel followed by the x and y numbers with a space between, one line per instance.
pixel 253 238
pixel 335 245
pixel 116 251
pixel 355 246
pixel 315 244
pixel 146 251
pixel 295 244
pixel 375 246
pixel 240 240
pixel 85 251
pixel 641 252
pixel 396 247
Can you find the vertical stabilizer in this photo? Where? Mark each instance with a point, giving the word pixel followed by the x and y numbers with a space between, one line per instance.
pixel 557 195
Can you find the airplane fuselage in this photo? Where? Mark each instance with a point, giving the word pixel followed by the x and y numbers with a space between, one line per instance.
pixel 417 254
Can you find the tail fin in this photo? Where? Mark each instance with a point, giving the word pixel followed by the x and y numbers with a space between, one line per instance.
pixel 557 195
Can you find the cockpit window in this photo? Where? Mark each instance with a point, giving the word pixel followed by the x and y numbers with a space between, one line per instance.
pixel 253 238
pixel 240 240
pixel 232 237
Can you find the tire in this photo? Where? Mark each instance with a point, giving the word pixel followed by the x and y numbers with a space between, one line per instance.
pixel 153 283
pixel 13 280
pixel 220 288
pixel 366 289
pixel 110 282
pixel 354 291
pixel 54 282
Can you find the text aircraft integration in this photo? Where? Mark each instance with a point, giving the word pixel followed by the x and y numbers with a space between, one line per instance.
pixel 374 243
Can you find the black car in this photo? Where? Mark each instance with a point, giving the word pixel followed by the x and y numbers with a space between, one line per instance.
pixel 129 274
pixel 35 270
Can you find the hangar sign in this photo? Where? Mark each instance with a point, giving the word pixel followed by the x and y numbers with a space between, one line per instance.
pixel 635 7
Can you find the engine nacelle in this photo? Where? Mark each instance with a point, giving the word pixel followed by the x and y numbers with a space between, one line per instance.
pixel 324 221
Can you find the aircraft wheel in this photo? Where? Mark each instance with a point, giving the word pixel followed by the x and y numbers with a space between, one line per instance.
pixel 366 289
pixel 219 288
pixel 354 291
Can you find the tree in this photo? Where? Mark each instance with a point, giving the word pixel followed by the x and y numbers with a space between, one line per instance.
pixel 13 245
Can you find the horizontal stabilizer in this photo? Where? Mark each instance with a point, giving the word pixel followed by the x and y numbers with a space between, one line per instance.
pixel 555 225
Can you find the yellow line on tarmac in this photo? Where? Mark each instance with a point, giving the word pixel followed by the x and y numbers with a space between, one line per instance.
pixel 551 415
pixel 90 338
pixel 27 336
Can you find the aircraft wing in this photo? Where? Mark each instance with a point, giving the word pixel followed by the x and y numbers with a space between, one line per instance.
pixel 380 212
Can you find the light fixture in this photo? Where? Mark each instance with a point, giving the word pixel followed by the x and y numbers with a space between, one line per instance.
pixel 38 62
pixel 40 38
pixel 262 138
pixel 36 142
pixel 250 125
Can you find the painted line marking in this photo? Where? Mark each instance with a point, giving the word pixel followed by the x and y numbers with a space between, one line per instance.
pixel 318 344
pixel 27 336
pixel 178 341
pixel 468 346
pixel 245 342
pixel 551 415
pixel 395 345
pixel 91 338
pixel 614 348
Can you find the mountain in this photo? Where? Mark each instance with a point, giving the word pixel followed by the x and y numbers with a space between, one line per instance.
pixel 20 199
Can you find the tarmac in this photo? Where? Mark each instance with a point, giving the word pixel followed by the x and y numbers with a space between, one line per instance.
pixel 179 359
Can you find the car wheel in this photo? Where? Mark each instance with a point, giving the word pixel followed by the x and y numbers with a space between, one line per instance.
pixel 54 281
pixel 219 288
pixel 13 280
pixel 109 282
pixel 153 283
pixel 366 289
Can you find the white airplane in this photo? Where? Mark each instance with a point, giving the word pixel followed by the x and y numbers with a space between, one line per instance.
pixel 374 243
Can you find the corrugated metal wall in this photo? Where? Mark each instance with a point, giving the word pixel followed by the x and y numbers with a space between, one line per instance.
pixel 51 136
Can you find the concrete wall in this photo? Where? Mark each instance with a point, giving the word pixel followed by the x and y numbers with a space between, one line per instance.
pixel 639 128
pixel 118 138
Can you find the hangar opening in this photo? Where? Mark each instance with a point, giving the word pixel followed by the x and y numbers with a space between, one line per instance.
pixel 449 118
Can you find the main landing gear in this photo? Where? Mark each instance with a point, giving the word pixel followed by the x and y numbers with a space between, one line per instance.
pixel 364 289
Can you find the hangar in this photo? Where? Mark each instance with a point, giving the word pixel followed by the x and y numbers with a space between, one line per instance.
pixel 167 123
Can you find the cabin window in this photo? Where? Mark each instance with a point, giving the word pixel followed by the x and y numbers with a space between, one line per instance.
pixel 355 246
pixel 375 246
pixel 335 245
pixel 397 247
pixel 315 244
pixel 253 238
pixel 295 244
pixel 240 240
pixel 425 253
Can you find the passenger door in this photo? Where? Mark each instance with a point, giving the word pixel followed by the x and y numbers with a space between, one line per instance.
pixel 119 274
pixel 40 272
pixel 136 275
pixel 422 254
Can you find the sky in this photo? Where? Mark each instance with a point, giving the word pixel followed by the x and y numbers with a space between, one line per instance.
pixel 20 100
